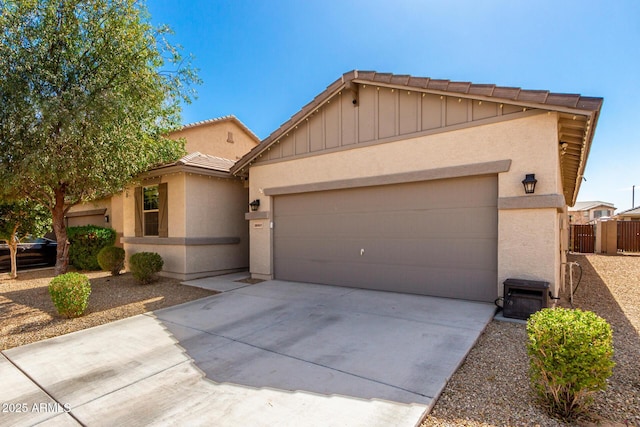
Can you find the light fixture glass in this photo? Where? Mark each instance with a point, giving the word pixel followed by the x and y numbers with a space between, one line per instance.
pixel 529 183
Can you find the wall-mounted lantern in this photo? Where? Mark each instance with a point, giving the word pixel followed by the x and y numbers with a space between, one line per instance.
pixel 529 183
pixel 254 205
pixel 106 218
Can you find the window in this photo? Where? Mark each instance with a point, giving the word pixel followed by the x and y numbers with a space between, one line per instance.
pixel 601 213
pixel 150 210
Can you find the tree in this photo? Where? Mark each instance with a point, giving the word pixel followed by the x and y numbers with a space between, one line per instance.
pixel 86 101
pixel 19 219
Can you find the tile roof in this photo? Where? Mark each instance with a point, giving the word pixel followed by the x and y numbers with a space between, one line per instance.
pixel 206 161
pixel 516 94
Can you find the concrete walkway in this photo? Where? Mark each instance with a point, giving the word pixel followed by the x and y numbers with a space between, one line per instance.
pixel 276 353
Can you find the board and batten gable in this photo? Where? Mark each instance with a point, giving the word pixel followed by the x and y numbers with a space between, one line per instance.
pixel 381 114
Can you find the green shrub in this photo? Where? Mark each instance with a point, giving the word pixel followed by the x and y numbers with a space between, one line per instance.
pixel 570 358
pixel 145 265
pixel 111 258
pixel 86 242
pixel 70 293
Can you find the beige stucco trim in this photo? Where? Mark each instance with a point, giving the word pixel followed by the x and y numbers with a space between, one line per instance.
pixel 182 241
pixel 257 215
pixel 474 169
pixel 532 202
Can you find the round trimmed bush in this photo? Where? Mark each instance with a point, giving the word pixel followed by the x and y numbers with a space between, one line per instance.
pixel 145 265
pixel 111 258
pixel 570 355
pixel 70 294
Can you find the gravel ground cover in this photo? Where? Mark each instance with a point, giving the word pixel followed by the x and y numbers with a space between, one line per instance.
pixel 28 315
pixel 492 386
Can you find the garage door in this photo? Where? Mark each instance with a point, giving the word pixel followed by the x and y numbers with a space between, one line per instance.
pixel 431 238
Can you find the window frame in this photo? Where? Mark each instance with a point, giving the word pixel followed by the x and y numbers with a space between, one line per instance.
pixel 145 223
pixel 163 211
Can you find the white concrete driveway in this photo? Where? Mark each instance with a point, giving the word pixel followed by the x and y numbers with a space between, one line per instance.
pixel 276 353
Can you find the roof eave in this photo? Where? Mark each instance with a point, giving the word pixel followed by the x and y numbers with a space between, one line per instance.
pixel 176 168
pixel 332 90
pixel 585 153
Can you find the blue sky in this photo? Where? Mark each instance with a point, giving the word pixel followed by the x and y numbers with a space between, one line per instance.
pixel 263 60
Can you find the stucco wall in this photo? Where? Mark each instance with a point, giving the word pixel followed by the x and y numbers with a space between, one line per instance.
pixel 215 208
pixel 528 245
pixel 211 138
pixel 207 231
pixel 530 141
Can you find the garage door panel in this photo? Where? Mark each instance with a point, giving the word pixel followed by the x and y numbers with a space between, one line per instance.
pixel 474 253
pixel 423 280
pixel 392 224
pixel 450 193
pixel 431 238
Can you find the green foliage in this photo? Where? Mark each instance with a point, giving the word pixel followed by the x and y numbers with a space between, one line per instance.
pixel 19 218
pixel 89 90
pixel 111 258
pixel 70 294
pixel 145 265
pixel 570 354
pixel 86 243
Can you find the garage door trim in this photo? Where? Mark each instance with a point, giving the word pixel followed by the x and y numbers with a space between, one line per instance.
pixel 474 169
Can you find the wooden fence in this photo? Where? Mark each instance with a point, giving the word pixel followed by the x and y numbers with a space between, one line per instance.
pixel 582 238
pixel 629 236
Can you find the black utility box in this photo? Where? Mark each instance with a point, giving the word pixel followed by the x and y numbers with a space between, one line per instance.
pixel 522 298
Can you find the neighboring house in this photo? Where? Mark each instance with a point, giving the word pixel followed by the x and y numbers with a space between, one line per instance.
pixel 414 185
pixel 191 212
pixel 590 212
pixel 629 215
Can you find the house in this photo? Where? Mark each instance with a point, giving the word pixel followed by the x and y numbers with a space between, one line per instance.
pixel 590 212
pixel 629 215
pixel 191 211
pixel 415 185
